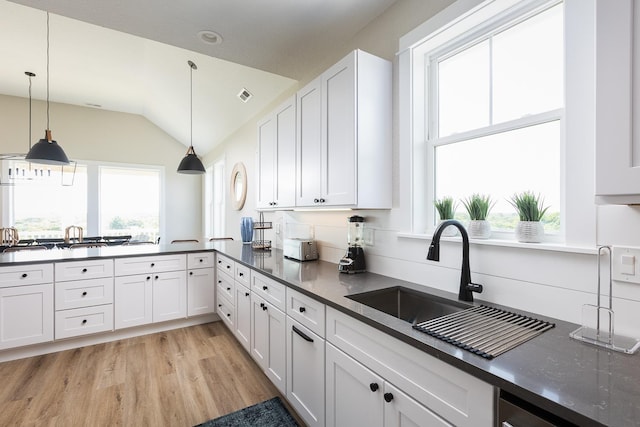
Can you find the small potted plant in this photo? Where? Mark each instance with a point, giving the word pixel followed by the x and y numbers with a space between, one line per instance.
pixel 446 208
pixel 531 209
pixel 478 207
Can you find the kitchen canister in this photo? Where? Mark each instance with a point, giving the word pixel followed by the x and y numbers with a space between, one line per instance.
pixel 246 229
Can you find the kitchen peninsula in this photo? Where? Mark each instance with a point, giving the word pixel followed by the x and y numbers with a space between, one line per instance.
pixel 578 383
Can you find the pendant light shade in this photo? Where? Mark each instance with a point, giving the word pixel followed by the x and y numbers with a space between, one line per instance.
pixel 47 151
pixel 191 164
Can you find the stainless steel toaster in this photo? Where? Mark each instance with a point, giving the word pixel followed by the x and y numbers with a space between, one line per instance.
pixel 301 250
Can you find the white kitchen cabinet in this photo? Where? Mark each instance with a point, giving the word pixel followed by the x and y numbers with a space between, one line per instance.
pixel 201 284
pixel 617 102
pixel 133 301
pixel 268 340
pixel 26 315
pixel 455 396
pixel 350 104
pixel 305 373
pixel 169 296
pixel 277 158
pixel 242 327
pixel 358 396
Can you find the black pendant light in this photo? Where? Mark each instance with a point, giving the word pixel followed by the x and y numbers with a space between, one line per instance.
pixel 47 151
pixel 191 164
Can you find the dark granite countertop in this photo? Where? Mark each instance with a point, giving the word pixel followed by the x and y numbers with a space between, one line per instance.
pixel 583 384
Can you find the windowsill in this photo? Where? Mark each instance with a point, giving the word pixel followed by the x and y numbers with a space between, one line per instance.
pixel 546 246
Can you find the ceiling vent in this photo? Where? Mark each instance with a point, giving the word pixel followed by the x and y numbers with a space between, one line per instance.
pixel 244 95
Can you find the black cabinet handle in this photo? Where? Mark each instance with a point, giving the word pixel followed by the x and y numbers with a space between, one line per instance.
pixel 302 334
pixel 228 314
pixel 261 304
pixel 156 277
pixel 264 288
pixel 388 397
pixel 322 200
pixel 228 266
pixel 84 294
pixel 84 321
pixel 316 200
pixel 228 289
pixel 24 275
pixel 153 264
pixel 84 270
pixel 148 277
pixel 302 309
pixel 219 281
pixel 219 261
pixel 374 386
pixel 191 273
pixel 201 260
pixel 219 305
pixel 240 274
pixel 246 294
pixel 264 307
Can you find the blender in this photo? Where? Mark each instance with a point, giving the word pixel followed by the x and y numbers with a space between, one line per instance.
pixel 353 260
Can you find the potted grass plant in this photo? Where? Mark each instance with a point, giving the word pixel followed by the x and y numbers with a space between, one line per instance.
pixel 478 207
pixel 446 208
pixel 530 208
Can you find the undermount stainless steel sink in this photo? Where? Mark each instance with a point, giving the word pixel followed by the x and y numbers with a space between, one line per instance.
pixel 407 304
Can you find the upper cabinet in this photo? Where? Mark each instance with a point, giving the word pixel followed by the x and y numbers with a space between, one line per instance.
pixel 331 145
pixel 277 157
pixel 344 135
pixel 617 102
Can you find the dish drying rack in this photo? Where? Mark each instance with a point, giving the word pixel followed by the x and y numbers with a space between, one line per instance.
pixel 602 334
pixel 259 227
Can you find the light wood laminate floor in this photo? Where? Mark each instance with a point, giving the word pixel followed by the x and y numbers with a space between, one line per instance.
pixel 181 377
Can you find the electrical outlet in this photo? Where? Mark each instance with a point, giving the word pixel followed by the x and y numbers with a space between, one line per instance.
pixel 625 264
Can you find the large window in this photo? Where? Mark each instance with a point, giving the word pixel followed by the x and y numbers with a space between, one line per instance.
pixel 493 115
pixel 103 200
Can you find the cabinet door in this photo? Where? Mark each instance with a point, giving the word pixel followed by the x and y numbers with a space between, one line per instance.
pixel 133 300
pixel 305 373
pixel 339 168
pixel 26 315
pixel 201 291
pixel 268 340
pixel 354 393
pixel 266 162
pixel 400 410
pixel 242 329
pixel 285 156
pixel 169 296
pixel 309 145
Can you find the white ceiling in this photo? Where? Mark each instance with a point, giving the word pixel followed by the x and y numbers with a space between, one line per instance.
pixel 131 56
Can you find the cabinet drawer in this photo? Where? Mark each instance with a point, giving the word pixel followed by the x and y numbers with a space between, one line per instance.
pixel 226 310
pixel 83 293
pixel 243 275
pixel 152 264
pixel 226 265
pixel 83 321
pixel 306 310
pixel 272 291
pixel 454 395
pixel 26 275
pixel 225 287
pixel 77 270
pixel 200 260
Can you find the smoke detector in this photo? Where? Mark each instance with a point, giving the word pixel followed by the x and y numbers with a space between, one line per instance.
pixel 244 95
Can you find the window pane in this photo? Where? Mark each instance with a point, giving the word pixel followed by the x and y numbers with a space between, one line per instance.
pixel 528 67
pixel 526 159
pixel 463 90
pixel 130 203
pixel 42 207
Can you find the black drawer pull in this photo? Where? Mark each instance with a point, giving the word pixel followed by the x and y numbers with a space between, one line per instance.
pixel 84 270
pixel 84 321
pixel 219 305
pixel 201 260
pixel 228 266
pixel 84 294
pixel 219 261
pixel 302 334
pixel 228 289
pixel 156 277
pixel 388 397
pixel 148 277
pixel 264 288
pixel 262 305
pixel 246 294
pixel 219 281
pixel 191 273
pixel 240 274
pixel 374 387
pixel 153 264
pixel 228 314
pixel 302 309
pixel 24 275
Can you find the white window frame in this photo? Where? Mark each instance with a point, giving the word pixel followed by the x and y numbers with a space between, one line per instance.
pixel 577 153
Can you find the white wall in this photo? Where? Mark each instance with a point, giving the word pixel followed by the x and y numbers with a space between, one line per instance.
pixel 98 135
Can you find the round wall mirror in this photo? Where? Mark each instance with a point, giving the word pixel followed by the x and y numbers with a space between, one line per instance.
pixel 238 186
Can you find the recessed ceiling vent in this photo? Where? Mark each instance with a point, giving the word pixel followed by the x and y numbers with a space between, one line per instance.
pixel 244 95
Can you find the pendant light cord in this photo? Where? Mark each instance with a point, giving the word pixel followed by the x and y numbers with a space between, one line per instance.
pixel 30 75
pixel 47 70
pixel 191 112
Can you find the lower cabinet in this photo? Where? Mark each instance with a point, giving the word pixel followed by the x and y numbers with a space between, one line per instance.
pixel 305 372
pixel 201 291
pixel 26 315
pixel 268 340
pixel 242 327
pixel 145 298
pixel 358 396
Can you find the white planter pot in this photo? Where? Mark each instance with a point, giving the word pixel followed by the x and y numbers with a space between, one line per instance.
pixel 479 229
pixel 529 231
